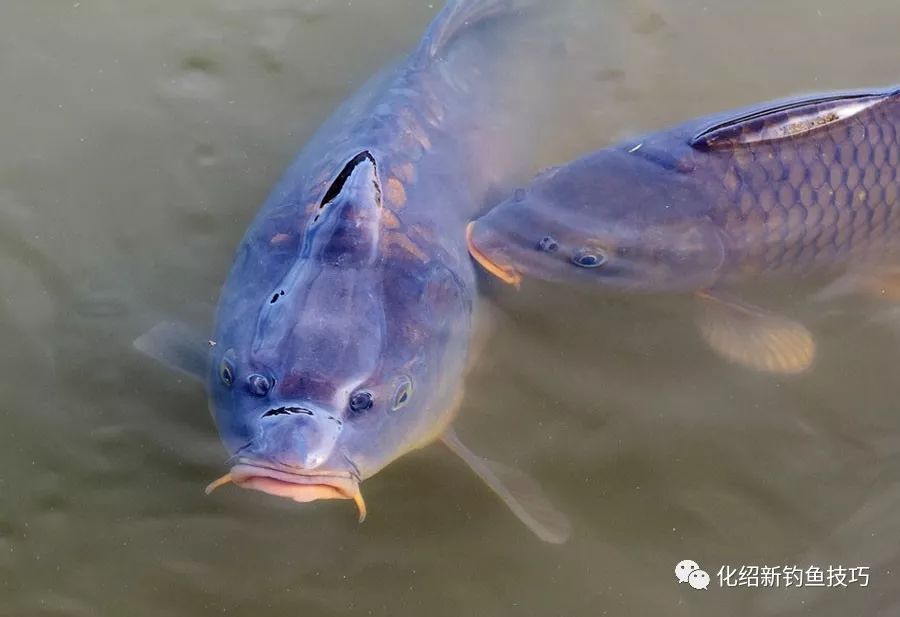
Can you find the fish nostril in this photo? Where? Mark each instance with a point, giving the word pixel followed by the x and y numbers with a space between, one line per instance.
pixel 547 244
pixel 259 384
pixel 288 411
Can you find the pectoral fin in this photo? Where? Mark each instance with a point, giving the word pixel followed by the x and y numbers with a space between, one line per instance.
pixel 520 493
pixel 883 283
pixel 178 347
pixel 754 337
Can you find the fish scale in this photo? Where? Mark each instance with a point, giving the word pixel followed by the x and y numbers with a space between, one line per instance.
pixel 797 204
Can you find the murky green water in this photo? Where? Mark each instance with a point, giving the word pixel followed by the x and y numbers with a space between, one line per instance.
pixel 136 141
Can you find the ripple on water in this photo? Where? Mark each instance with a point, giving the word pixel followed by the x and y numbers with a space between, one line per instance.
pixel 99 305
pixel 205 155
pixel 198 78
pixel 30 282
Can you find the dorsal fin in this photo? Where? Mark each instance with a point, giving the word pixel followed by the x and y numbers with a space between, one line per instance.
pixel 459 15
pixel 781 120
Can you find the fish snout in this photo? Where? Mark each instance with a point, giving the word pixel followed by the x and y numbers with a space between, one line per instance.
pixel 296 437
pixel 490 253
pixel 292 457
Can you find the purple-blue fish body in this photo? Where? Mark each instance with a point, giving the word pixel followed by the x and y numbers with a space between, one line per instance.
pixel 342 332
pixel 782 189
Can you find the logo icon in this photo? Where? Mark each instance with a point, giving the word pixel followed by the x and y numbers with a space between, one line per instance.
pixel 688 571
pixel 684 568
pixel 699 579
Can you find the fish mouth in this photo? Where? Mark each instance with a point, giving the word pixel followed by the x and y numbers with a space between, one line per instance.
pixel 503 271
pixel 301 486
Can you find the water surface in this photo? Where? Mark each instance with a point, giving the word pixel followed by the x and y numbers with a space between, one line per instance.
pixel 136 141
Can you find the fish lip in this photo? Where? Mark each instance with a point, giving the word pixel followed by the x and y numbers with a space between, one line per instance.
pixel 505 272
pixel 299 485
pixel 345 483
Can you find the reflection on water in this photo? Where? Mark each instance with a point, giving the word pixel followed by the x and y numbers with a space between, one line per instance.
pixel 136 140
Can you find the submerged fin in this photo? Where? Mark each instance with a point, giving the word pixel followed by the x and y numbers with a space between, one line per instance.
pixel 789 118
pixel 755 338
pixel 883 283
pixel 459 15
pixel 522 494
pixel 177 346
pixel 845 285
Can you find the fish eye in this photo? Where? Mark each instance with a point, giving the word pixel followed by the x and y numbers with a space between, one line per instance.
pixel 403 394
pixel 259 384
pixel 547 245
pixel 589 258
pixel 226 373
pixel 361 400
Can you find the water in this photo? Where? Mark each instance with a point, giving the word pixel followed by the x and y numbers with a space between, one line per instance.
pixel 136 141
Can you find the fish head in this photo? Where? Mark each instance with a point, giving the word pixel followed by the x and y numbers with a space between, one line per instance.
pixel 330 367
pixel 611 219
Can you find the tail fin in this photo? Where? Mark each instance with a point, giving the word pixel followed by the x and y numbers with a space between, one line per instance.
pixel 459 15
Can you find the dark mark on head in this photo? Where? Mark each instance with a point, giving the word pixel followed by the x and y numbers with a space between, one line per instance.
pixel 288 411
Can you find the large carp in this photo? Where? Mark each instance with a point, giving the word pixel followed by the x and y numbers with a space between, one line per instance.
pixel 789 188
pixel 343 330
